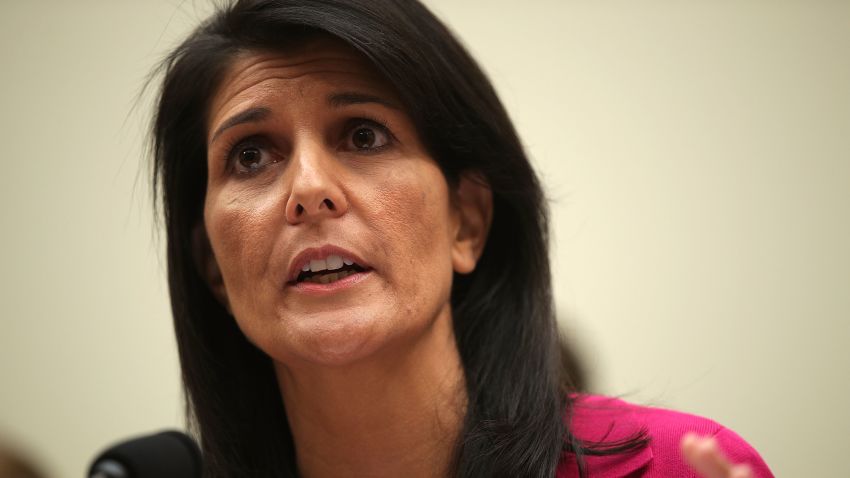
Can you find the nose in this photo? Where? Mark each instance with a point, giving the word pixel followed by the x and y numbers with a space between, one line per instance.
pixel 316 192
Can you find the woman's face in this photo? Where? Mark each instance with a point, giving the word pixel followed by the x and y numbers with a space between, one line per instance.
pixel 331 226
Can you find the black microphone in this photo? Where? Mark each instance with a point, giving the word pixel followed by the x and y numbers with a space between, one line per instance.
pixel 168 454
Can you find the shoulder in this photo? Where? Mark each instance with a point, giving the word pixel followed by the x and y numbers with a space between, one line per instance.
pixel 595 418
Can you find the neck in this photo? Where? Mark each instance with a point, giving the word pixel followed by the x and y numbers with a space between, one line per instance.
pixel 398 413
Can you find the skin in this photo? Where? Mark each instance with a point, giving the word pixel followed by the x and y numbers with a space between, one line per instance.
pixel 370 374
pixel 704 456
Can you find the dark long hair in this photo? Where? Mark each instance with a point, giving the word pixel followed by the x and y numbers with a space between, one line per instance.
pixel 502 312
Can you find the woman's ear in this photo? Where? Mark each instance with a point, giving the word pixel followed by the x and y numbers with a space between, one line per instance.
pixel 472 201
pixel 207 266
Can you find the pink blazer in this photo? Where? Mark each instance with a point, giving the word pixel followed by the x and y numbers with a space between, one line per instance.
pixel 598 418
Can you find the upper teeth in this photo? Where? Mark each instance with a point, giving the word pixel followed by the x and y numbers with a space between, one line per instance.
pixel 330 263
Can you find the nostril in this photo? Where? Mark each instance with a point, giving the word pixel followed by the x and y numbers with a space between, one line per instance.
pixel 299 209
pixel 329 204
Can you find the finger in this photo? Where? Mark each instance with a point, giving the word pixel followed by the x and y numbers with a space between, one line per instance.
pixel 705 457
pixel 691 451
pixel 741 471
pixel 688 447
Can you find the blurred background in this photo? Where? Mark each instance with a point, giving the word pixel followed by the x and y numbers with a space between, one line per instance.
pixel 697 157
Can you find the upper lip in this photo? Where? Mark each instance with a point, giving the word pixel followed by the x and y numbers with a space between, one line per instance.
pixel 316 253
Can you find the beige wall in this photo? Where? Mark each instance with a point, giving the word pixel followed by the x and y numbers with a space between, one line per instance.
pixel 697 158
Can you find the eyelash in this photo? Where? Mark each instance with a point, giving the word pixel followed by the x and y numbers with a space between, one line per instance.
pixel 234 146
pixel 373 122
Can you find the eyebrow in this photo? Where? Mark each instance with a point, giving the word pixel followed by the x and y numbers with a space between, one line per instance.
pixel 346 98
pixel 251 115
pixel 335 100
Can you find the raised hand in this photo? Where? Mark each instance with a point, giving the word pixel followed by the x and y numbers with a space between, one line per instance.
pixel 703 454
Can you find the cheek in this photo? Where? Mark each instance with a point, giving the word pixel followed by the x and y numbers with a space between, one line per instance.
pixel 240 234
pixel 413 217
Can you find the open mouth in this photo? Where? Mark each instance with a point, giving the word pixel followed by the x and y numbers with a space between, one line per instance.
pixel 330 269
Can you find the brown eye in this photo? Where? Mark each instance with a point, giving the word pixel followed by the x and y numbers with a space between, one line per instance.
pixel 368 136
pixel 364 138
pixel 250 159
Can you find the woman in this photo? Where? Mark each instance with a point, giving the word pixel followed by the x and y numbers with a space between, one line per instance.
pixel 358 262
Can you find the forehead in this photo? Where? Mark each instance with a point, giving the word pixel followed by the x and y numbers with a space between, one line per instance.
pixel 322 63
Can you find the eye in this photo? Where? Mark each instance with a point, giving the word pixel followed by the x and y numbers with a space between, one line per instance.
pixel 249 157
pixel 368 135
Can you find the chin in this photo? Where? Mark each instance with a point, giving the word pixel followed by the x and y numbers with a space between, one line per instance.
pixel 332 340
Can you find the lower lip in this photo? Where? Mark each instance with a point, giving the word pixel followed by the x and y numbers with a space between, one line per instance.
pixel 331 287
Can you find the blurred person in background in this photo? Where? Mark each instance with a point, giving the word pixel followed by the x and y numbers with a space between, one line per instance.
pixel 15 465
